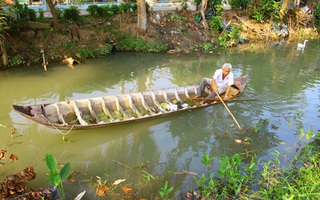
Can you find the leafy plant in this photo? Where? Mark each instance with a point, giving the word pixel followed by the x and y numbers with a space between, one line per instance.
pixel 206 160
pixel 56 177
pixel 165 191
pixel 266 10
pixel 72 13
pixel 215 23
pixel 147 176
pixel 317 17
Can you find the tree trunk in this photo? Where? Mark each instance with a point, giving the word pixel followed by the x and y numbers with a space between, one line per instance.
pixel 142 17
pixel 4 55
pixel 283 9
pixel 202 11
pixel 54 15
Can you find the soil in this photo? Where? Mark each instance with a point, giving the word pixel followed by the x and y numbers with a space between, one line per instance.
pixel 179 30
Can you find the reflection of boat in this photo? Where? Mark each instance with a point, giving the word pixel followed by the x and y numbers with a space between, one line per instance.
pixel 118 109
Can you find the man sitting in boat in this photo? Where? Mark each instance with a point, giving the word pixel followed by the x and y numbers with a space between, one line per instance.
pixel 221 82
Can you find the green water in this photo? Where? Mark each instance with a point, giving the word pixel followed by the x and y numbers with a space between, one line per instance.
pixel 284 82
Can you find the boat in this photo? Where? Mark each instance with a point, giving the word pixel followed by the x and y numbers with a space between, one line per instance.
pixel 113 110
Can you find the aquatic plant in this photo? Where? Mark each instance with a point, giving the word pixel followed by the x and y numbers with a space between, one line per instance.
pixel 56 177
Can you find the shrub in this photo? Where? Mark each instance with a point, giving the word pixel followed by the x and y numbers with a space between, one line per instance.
pixel 317 16
pixel 72 13
pixel 266 10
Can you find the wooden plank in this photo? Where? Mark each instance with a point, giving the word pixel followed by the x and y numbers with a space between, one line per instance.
pixel 177 95
pixel 60 115
pixel 145 105
pixel 133 107
pixel 78 114
pixel 92 113
pixel 119 108
pixel 106 111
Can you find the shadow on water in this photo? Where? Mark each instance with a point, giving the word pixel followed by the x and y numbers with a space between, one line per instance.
pixel 283 82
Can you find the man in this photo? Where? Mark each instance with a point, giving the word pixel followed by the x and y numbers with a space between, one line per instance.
pixel 221 82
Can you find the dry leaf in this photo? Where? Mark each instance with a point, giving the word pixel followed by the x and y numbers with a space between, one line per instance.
pixel 13 157
pixel 72 179
pixel 127 190
pixel 3 154
pixel 238 141
pixel 118 181
pixel 100 191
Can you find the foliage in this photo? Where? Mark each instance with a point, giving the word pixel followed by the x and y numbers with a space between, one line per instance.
pixel 317 17
pixel 184 5
pixel 239 4
pixel 18 15
pixel 17 60
pixel 215 23
pixel 56 177
pixel 264 180
pixel 115 9
pixel 165 191
pixel 125 7
pixel 72 13
pixel 95 10
pixel 131 43
pixel 267 10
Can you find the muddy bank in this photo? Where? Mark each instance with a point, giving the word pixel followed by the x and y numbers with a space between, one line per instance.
pixel 178 31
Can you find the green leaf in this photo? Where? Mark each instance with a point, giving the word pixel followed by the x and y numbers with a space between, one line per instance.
pixel 51 162
pixel 54 177
pixel 64 173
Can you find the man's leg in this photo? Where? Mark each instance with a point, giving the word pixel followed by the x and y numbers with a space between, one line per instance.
pixel 204 83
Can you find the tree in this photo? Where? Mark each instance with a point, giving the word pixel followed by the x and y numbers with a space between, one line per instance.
pixel 142 16
pixel 203 9
pixel 54 14
pixel 3 27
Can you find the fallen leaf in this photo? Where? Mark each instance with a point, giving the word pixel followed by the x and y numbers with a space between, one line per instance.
pixel 238 141
pixel 100 191
pixel 3 154
pixel 13 157
pixel 118 181
pixel 72 179
pixel 127 190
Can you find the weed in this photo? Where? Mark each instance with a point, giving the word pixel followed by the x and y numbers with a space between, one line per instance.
pixel 165 191
pixel 56 177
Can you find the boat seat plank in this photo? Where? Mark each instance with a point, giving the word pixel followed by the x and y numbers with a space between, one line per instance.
pixel 60 115
pixel 177 96
pixel 119 108
pixel 78 114
pixel 105 110
pixel 165 96
pixel 145 105
pixel 93 114
pixel 133 107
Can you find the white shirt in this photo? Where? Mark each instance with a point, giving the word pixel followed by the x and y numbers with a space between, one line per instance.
pixel 228 80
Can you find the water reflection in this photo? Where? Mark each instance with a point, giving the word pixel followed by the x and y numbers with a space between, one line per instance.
pixel 284 83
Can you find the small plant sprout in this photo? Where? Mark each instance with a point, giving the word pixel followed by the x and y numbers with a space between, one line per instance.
pixel 165 191
pixel 56 177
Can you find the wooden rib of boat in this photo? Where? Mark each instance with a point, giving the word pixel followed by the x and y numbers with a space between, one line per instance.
pixel 118 109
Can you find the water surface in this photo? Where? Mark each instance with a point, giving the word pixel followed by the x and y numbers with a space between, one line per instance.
pixel 284 82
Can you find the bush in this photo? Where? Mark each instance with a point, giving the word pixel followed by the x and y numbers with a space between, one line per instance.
pixel 72 13
pixel 239 4
pixel 317 15
pixel 267 9
pixel 95 10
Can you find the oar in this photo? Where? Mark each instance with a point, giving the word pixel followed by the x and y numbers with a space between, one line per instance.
pixel 216 99
pixel 229 111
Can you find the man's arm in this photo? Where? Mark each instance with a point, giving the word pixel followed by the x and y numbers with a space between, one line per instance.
pixel 227 92
pixel 214 85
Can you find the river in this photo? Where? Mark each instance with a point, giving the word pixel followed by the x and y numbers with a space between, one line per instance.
pixel 284 89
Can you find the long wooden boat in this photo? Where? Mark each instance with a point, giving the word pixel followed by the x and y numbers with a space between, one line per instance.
pixel 118 109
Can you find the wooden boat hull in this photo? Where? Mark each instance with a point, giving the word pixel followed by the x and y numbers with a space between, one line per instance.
pixel 118 109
